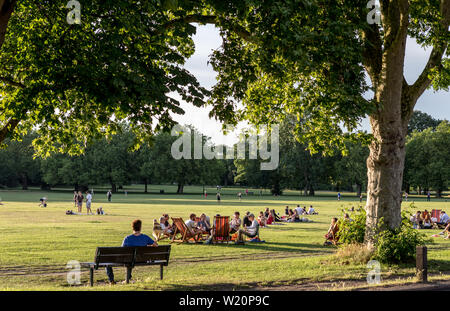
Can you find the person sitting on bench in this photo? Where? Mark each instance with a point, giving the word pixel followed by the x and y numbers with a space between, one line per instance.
pixel 135 239
pixel 250 231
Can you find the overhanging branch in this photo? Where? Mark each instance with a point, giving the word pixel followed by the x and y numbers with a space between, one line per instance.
pixel 11 82
pixel 435 59
pixel 207 19
pixel 8 128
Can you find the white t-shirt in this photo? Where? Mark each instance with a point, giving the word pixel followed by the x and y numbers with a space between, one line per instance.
pixel 311 210
pixel 89 197
pixel 253 228
pixel 164 227
pixel 190 224
pixel 299 210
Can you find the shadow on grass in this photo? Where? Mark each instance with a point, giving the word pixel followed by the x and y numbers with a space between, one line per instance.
pixel 278 247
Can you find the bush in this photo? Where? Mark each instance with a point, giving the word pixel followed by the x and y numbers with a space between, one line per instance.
pixel 352 232
pixel 399 245
pixel 391 246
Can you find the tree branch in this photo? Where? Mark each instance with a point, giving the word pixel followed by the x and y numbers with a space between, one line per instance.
pixel 11 82
pixel 206 19
pixel 6 9
pixel 373 52
pixel 8 128
pixel 435 59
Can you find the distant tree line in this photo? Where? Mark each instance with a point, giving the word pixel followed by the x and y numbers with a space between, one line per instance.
pixel 113 161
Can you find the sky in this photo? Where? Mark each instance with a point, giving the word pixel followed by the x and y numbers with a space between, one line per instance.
pixel 207 38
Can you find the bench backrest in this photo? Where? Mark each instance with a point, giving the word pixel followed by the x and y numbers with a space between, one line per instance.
pixel 131 255
pixel 221 226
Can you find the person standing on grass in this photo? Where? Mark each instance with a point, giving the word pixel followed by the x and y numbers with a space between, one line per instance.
pixel 80 198
pixel 428 196
pixel 240 196
pixel 135 239
pixel 88 202
pixel 75 198
pixel 218 197
pixel 246 192
pixel 339 196
pixel 109 195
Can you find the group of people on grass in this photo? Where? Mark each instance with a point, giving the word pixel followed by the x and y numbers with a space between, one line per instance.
pixel 78 199
pixel 248 226
pixel 424 220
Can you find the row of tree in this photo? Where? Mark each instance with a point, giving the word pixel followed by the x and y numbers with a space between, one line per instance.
pixel 114 162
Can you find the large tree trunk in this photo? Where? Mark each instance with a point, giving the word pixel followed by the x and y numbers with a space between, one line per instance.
pixel 180 188
pixel 389 126
pixel 24 181
pixel 385 174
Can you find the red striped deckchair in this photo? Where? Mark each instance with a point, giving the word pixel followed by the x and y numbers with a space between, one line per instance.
pixel 221 229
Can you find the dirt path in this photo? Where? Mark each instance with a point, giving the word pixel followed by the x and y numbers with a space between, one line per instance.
pixel 360 285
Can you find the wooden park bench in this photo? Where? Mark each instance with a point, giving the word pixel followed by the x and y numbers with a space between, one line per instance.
pixel 128 257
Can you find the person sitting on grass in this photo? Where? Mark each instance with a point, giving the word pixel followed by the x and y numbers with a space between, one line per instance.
pixel 166 222
pixel 290 215
pixel 418 220
pixel 293 216
pixel 192 224
pixel 100 211
pixel 250 231
pixel 235 223
pixel 444 220
pixel 203 225
pixel 262 219
pixel 246 222
pixel 447 230
pixel 163 224
pixel 330 237
pixel 347 218
pixel 267 212
pixel 312 211
pixel 43 202
pixel 276 218
pixel 135 239
pixel 427 223
pixel 269 219
pixel 286 211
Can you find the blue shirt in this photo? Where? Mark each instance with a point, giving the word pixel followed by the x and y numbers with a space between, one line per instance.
pixel 140 240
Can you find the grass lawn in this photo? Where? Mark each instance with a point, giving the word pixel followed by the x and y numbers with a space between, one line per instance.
pixel 36 243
